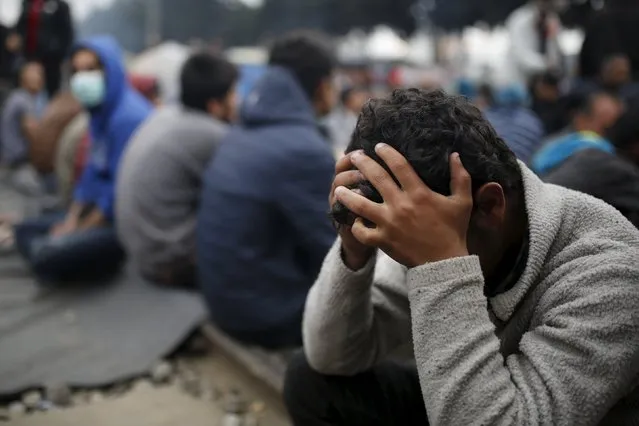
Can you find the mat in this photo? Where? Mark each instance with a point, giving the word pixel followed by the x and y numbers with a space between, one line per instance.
pixel 88 335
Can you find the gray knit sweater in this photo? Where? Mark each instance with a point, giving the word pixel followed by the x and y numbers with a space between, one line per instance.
pixel 560 348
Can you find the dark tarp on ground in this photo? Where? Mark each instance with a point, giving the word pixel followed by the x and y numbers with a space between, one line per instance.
pixel 90 335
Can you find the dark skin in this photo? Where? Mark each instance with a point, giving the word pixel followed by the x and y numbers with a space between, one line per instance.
pixel 415 225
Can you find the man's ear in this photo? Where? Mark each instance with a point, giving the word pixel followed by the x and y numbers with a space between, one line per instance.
pixel 489 206
pixel 215 108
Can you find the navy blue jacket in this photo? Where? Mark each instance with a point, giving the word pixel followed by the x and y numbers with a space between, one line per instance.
pixel 263 227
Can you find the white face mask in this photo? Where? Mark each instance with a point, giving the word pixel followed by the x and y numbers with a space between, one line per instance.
pixel 89 88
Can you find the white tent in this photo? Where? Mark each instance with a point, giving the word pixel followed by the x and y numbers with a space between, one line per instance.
pixel 163 62
pixel 385 45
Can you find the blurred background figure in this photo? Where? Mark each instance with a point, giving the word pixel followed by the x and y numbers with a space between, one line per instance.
pixel 45 30
pixel 533 31
pixel 9 53
pixel 596 113
pixel 81 243
pixel 264 199
pixel 17 128
pixel 160 179
pixel 342 121
pixel 546 101
pixel 611 32
pixel 515 123
pixel 610 176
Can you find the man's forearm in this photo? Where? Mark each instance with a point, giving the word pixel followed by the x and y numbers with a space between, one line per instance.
pixel 94 219
pixel 355 319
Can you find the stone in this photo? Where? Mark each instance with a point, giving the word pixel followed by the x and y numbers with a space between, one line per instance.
pixel 235 403
pixel 96 397
pixel 198 345
pixel 161 372
pixel 17 409
pixel 80 398
pixel 32 399
pixel 251 420
pixel 58 394
pixel 142 385
pixel 191 384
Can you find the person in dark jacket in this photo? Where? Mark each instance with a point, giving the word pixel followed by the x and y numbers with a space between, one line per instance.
pixel 263 228
pixel 46 31
pixel 83 242
pixel 611 177
pixel 596 114
pixel 517 125
pixel 613 31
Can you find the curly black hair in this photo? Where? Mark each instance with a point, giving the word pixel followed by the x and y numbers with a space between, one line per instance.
pixel 427 127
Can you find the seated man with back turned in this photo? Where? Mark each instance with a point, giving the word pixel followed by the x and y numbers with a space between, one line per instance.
pixel 611 177
pixel 520 298
pixel 160 181
pixel 263 230
pixel 595 113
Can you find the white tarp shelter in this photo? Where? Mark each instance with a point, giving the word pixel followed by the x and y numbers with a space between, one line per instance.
pixel 163 62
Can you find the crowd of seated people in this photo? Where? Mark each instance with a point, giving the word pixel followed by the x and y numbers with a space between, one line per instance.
pixel 438 229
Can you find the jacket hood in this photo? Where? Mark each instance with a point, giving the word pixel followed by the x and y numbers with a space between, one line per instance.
pixel 555 153
pixel 110 54
pixel 277 98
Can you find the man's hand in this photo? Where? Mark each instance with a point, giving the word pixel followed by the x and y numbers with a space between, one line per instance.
pixel 414 225
pixel 355 254
pixel 64 228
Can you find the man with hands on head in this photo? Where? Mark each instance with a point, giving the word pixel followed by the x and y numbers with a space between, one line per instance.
pixel 519 298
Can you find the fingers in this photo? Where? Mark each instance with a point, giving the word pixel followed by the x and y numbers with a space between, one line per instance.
pixel 359 205
pixel 348 178
pixel 401 168
pixel 344 164
pixel 377 176
pixel 365 235
pixel 461 185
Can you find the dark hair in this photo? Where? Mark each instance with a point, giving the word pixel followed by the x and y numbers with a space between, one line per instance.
pixel 309 56
pixel 22 68
pixel 427 127
pixel 625 132
pixel 583 102
pixel 204 78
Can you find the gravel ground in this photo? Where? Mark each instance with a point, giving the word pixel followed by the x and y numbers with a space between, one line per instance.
pixel 204 390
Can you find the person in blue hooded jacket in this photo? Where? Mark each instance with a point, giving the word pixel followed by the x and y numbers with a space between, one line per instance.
pixel 83 244
pixel 263 227
pixel 595 113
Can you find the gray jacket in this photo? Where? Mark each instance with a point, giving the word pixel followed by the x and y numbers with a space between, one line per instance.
pixel 158 189
pixel 560 348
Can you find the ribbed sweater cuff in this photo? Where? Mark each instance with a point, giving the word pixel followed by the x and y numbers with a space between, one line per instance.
pixel 344 279
pixel 440 272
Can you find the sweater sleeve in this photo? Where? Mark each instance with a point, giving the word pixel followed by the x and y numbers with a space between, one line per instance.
pixel 355 319
pixel 575 362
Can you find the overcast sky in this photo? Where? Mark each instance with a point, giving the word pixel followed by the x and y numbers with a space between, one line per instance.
pixel 9 8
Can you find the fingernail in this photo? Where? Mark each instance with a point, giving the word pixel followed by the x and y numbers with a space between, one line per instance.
pixel 356 155
pixel 380 146
pixel 340 190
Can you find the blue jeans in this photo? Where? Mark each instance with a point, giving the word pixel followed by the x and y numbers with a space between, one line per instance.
pixel 83 255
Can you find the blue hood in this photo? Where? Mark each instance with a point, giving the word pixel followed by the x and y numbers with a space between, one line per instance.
pixel 110 54
pixel 277 98
pixel 555 153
